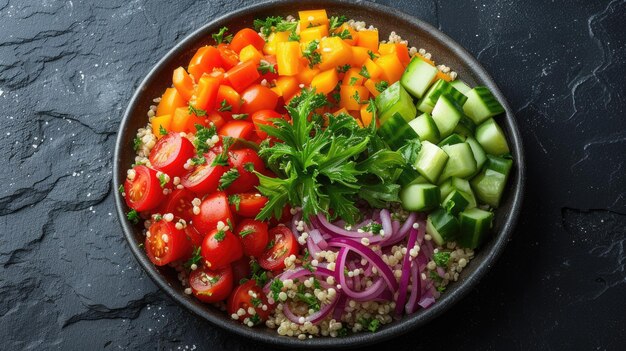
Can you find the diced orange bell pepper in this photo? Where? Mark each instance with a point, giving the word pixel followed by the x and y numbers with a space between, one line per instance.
pixel 391 66
pixel 286 86
pixel 366 116
pixel 353 36
pixel 313 33
pixel 182 121
pixel 370 84
pixel 219 74
pixel 326 81
pixel 334 53
pixel 353 77
pixel 205 59
pixel 273 40
pixel 311 18
pixel 400 50
pixel 245 37
pixel 160 121
pixel 183 83
pixel 307 74
pixel 373 69
pixel 368 39
pixel 170 100
pixel 241 76
pixel 359 55
pixel 288 56
pixel 250 53
pixel 206 93
pixel 352 97
pixel 228 96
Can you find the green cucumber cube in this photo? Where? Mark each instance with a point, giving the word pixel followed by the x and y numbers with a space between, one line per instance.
pixel 491 138
pixel 446 115
pixel 431 161
pixel 420 197
pixel 460 163
pixel 442 226
pixel 395 100
pixel 474 227
pixel 425 127
pixel 481 105
pixel 418 76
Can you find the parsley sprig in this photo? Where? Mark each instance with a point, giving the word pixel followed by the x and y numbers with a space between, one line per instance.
pixel 220 38
pixel 311 54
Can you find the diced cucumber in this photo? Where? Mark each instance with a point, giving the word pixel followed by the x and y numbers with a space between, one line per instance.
pixel 441 87
pixel 446 115
pixel 418 76
pixel 481 104
pixel 461 184
pixel 394 100
pixel 460 163
pixel 425 127
pixel 407 176
pixel 465 127
pixel 451 140
pixel 396 131
pixel 431 161
pixel 455 202
pixel 491 138
pixel 442 226
pixel 420 197
pixel 477 150
pixel 460 86
pixel 489 184
pixel 474 227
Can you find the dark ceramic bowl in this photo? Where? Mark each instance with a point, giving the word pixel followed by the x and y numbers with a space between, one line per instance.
pixel 386 19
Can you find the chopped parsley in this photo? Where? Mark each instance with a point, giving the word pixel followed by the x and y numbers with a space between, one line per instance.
pixel 372 54
pixel 293 37
pixel 194 259
pixel 246 232
pixel 157 217
pixel 344 68
pixel 342 332
pixel 364 72
pixel 344 34
pixel 266 67
pixel 441 258
pixel 265 27
pixel 136 143
pixel 336 21
pixel 133 216
pixel 381 86
pixel 228 178
pixel 258 274
pixel 353 80
pixel 222 158
pixel 256 302
pixel 270 245
pixel 225 106
pixel 163 180
pixel 249 166
pixel 286 26
pixel 196 111
pixel 255 319
pixel 162 130
pixel 373 227
pixel 121 189
pixel 357 97
pixel 202 135
pixel 221 235
pixel 239 116
pixel 311 54
pixel 235 199
pixel 220 38
pixel 370 324
pixel 198 160
pixel 276 287
pixel 311 301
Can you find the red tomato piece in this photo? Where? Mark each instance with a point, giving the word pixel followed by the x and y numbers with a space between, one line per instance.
pixel 245 37
pixel 270 75
pixel 253 236
pixel 264 117
pixel 194 235
pixel 179 204
pixel 211 285
pixel 143 192
pixel 242 75
pixel 284 218
pixel 203 178
pixel 214 208
pixel 170 154
pixel 229 57
pixel 247 204
pixel 246 161
pixel 241 299
pixel 165 243
pixel 241 269
pixel 205 59
pixel 282 244
pixel 258 97
pixel 220 248
pixel 237 129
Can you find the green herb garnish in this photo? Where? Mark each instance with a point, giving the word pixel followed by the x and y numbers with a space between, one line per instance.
pixel 336 21
pixel 381 86
pixel 235 199
pixel 228 178
pixel 441 258
pixel 225 106
pixel 220 38
pixel 133 216
pixel 311 54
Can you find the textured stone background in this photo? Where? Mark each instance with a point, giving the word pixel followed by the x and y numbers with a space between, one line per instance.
pixel 68 280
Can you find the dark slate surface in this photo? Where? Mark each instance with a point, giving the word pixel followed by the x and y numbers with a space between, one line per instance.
pixel 68 280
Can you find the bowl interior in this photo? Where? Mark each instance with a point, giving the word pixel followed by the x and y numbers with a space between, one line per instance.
pixel 420 35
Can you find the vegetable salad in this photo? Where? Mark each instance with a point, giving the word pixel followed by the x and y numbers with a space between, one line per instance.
pixel 307 176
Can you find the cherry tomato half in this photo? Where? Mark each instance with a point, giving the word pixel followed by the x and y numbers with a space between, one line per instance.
pixel 165 243
pixel 143 192
pixel 253 235
pixel 241 269
pixel 170 154
pixel 237 129
pixel 220 248
pixel 228 57
pixel 246 37
pixel 241 298
pixel 248 204
pixel 214 208
pixel 264 117
pixel 258 97
pixel 179 204
pixel 282 244
pixel 194 235
pixel 246 161
pixel 203 178
pixel 211 285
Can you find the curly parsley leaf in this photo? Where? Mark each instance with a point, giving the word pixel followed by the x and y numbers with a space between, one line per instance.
pixel 200 141
pixel 133 216
pixel 441 258
pixel 137 143
pixel 336 21
pixel 344 34
pixel 364 72
pixel 266 67
pixel 344 68
pixel 228 178
pixel 235 200
pixel 381 86
pixel 225 106
pixel 310 53
pixel 195 258
pixel 220 38
pixel 195 111
pixel 266 26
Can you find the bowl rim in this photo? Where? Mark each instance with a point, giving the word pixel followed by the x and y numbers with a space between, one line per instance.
pixel 408 322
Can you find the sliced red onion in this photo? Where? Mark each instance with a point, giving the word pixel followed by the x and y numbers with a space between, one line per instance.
pixel 313 318
pixel 370 255
pixel 365 295
pixel 318 239
pixel 416 289
pixel 400 234
pixel 441 272
pixel 385 219
pixel 395 226
pixel 427 299
pixel 340 307
pixel 406 271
